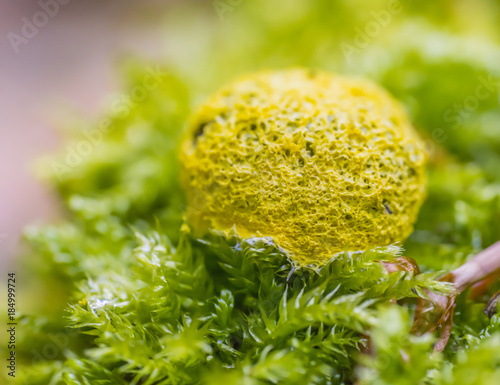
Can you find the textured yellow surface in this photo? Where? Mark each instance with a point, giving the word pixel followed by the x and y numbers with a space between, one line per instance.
pixel 321 163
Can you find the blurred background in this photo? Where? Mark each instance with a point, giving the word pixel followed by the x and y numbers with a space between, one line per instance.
pixel 67 67
pixel 60 69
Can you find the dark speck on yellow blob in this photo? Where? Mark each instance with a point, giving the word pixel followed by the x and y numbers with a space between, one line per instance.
pixel 322 163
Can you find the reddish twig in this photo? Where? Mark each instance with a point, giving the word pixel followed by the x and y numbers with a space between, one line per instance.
pixel 438 311
pixel 402 264
pixel 491 307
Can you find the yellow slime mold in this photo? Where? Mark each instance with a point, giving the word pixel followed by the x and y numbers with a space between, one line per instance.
pixel 321 163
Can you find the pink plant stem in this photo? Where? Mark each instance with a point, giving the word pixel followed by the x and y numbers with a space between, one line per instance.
pixel 481 266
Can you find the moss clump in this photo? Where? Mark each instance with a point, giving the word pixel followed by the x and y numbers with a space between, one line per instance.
pixel 321 163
